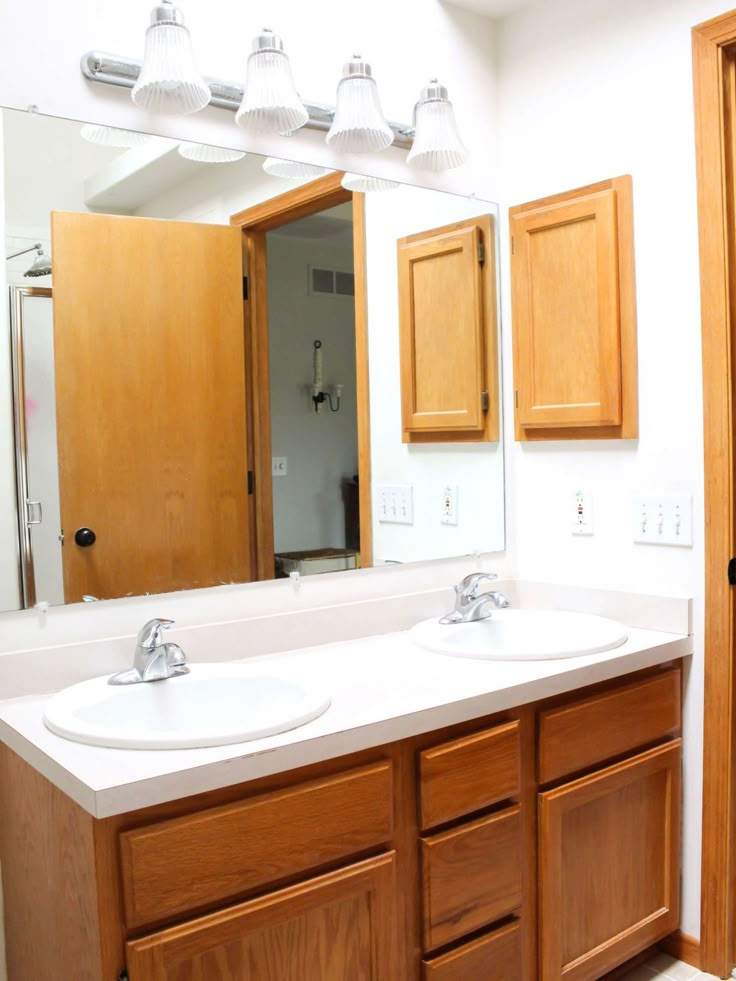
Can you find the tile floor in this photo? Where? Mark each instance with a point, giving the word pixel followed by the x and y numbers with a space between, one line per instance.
pixel 665 968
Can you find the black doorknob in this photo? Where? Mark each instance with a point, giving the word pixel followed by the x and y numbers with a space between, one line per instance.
pixel 84 537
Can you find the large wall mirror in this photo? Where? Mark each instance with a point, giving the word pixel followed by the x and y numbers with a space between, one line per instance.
pixel 214 367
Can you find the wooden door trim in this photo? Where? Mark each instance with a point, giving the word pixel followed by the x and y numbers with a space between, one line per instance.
pixel 308 199
pixel 715 101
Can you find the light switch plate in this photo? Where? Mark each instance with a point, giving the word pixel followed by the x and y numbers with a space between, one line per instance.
pixel 663 520
pixel 278 466
pixel 395 503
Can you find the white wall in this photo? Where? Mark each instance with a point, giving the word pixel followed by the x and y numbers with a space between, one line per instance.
pixel 321 447
pixel 590 89
pixel 476 468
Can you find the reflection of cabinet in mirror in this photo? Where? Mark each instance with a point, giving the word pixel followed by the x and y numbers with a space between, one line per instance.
pixel 574 314
pixel 447 309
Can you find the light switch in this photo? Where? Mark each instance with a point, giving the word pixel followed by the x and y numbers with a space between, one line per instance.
pixel 663 520
pixel 395 503
pixel 278 466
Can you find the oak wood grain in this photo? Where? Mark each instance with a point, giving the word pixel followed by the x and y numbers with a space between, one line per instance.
pixel 471 876
pixel 494 956
pixel 329 928
pixel 188 862
pixel 609 864
pixel 468 774
pixel 591 730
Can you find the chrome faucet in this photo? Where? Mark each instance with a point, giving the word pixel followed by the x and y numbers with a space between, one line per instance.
pixel 153 660
pixel 472 605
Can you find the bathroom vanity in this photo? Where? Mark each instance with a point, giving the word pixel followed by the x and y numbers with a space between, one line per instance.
pixel 492 821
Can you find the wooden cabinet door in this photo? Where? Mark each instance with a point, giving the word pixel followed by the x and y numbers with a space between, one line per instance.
pixel 331 928
pixel 609 865
pixel 573 313
pixel 447 327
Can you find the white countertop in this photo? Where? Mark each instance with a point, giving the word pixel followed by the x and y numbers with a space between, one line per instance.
pixel 383 688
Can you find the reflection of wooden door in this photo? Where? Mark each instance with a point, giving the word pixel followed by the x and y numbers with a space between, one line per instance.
pixel 150 394
pixel 337 927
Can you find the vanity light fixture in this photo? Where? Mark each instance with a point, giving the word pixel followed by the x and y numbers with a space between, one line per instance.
pixel 271 103
pixel 437 144
pixel 111 136
pixel 293 169
pixel 202 153
pixel 359 125
pixel 169 81
pixel 365 185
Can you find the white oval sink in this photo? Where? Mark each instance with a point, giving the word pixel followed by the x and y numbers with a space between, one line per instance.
pixel 522 635
pixel 213 705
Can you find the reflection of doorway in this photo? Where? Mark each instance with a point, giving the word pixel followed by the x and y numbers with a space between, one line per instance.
pixel 314 443
pixel 257 222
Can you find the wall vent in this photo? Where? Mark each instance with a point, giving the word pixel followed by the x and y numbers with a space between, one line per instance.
pixel 330 281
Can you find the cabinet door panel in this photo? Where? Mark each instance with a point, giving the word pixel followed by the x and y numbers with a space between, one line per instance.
pixel 609 865
pixel 331 928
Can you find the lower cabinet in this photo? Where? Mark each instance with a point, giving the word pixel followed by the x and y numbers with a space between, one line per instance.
pixel 333 927
pixel 496 956
pixel 609 865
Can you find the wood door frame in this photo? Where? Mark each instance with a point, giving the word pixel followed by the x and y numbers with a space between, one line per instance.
pixel 714 61
pixel 255 222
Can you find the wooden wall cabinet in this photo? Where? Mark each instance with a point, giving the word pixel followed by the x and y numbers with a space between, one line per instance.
pixel 574 314
pixel 444 857
pixel 448 333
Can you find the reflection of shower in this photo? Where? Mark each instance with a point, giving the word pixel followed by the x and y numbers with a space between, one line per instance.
pixel 41 265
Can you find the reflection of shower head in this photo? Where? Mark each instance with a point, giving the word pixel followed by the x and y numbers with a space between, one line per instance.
pixel 41 265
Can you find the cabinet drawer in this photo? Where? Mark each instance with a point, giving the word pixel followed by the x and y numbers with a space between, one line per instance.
pixel 193 861
pixel 494 957
pixel 471 876
pixel 467 774
pixel 582 733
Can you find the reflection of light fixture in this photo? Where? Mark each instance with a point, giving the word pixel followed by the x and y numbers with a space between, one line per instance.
pixel 363 184
pixel 169 80
pixel 293 169
pixel 358 126
pixel 318 395
pixel 271 103
pixel 437 143
pixel 111 136
pixel 41 265
pixel 203 153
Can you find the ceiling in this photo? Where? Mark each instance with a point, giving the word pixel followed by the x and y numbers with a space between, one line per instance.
pixel 492 8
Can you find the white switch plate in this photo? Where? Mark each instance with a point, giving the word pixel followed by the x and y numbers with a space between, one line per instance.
pixel 395 503
pixel 448 505
pixel 278 466
pixel 582 519
pixel 663 520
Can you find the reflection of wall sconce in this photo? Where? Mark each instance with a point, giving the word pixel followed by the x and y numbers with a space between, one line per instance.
pixel 318 395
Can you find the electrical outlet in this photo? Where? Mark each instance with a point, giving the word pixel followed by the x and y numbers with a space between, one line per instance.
pixel 663 520
pixel 395 503
pixel 278 466
pixel 582 521
pixel 448 512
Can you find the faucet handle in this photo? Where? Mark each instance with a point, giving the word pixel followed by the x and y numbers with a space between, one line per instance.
pixel 149 636
pixel 468 586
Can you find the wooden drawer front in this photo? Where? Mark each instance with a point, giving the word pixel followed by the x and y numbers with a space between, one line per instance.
pixel 337 927
pixel 471 876
pixel 580 734
pixel 494 957
pixel 467 774
pixel 189 862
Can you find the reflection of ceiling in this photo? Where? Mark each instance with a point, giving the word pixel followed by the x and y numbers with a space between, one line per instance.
pixel 492 8
pixel 334 225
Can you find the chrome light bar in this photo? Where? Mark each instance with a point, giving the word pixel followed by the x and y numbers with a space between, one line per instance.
pixel 109 69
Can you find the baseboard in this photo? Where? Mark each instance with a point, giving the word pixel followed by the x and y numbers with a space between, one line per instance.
pixel 682 947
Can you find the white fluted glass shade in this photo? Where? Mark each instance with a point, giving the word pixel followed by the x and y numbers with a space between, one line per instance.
pixel 293 169
pixel 359 126
pixel 271 103
pixel 110 136
pixel 437 143
pixel 365 185
pixel 202 153
pixel 169 81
